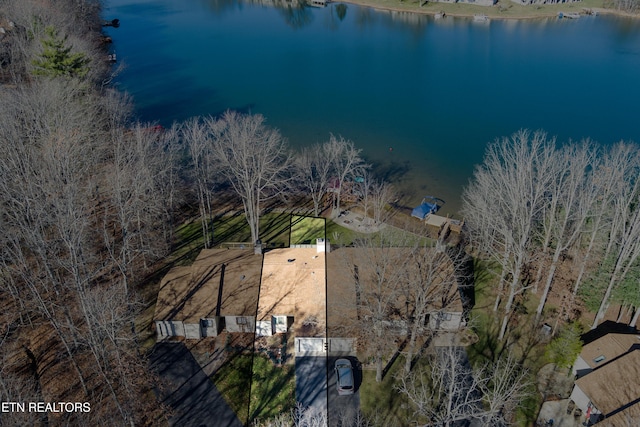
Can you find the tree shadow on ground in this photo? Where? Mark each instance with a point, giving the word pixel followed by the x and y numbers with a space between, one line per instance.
pixel 394 358
pixel 272 388
pixel 488 348
pixel 233 381
pixel 482 275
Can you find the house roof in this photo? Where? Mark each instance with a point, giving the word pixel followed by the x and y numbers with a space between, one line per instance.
pixel 192 293
pixel 615 387
pixel 341 295
pixel 607 348
pixel 630 417
pixel 341 280
pixel 294 284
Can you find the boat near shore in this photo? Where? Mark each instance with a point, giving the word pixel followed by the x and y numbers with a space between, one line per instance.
pixel 115 23
pixel 480 18
pixel 568 15
pixel 317 3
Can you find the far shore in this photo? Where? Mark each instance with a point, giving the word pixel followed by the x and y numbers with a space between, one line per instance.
pixel 503 9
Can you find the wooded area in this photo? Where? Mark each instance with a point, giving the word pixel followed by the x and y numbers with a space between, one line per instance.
pixel 534 205
pixel 90 199
pixel 89 202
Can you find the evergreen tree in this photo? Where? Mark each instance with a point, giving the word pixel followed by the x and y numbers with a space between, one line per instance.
pixel 57 60
pixel 566 346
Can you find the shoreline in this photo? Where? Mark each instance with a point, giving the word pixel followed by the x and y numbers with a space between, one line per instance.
pixel 497 11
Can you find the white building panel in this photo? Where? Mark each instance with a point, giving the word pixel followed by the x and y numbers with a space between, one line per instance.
pixel 168 328
pixel 192 331
pixel 264 328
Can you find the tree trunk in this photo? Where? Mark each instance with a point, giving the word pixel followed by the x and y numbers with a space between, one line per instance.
pixel 634 320
pixel 507 314
pixel 585 259
pixel 412 342
pixel 547 286
pixel 501 282
pixel 543 254
pixel 513 290
pixel 604 305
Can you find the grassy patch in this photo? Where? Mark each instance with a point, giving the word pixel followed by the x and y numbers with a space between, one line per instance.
pixel 233 380
pixel 340 235
pixel 305 230
pixel 231 228
pixel 381 401
pixel 146 333
pixel 272 389
pixel 522 341
pixel 488 348
pixel 274 229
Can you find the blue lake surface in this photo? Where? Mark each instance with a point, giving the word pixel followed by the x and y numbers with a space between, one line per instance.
pixel 435 91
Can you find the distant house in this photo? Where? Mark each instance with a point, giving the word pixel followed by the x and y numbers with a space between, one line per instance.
pixel 608 386
pixel 531 2
pixel 218 291
pixel 476 2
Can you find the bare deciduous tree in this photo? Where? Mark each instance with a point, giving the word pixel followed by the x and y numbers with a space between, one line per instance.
pixel 447 393
pixel 451 391
pixel 609 169
pixel 566 222
pixel 376 268
pixel 429 284
pixel 382 194
pixel 298 417
pixel 253 158
pixel 53 257
pixel 196 134
pixel 374 196
pixel 314 165
pixel 503 203
pixel 140 169
pixel 346 162
pixel 627 246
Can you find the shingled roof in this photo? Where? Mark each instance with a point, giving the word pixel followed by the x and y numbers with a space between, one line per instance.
pixel 607 348
pixel 191 293
pixel 615 387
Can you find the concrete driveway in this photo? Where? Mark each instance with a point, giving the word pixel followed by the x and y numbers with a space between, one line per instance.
pixel 189 392
pixel 343 409
pixel 311 382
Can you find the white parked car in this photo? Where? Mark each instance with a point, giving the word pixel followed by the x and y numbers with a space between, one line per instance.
pixel 344 377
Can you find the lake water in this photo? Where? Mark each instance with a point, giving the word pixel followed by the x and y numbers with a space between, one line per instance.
pixel 421 97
